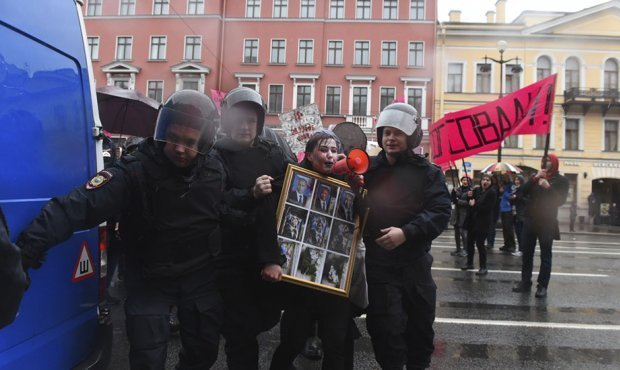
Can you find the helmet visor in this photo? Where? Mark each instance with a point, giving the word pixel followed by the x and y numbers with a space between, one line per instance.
pixel 177 128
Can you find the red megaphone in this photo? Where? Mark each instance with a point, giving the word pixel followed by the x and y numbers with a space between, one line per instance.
pixel 356 162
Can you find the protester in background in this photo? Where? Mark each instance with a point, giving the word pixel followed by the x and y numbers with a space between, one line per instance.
pixel 409 207
pixel 305 306
pixel 546 192
pixel 517 199
pixel 482 202
pixel 495 216
pixel 461 207
pixel 505 208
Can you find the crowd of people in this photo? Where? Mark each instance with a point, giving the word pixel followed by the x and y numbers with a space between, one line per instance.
pixel 528 210
pixel 195 207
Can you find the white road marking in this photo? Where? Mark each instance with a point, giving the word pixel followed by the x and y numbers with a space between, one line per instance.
pixel 555 250
pixel 518 272
pixel 562 241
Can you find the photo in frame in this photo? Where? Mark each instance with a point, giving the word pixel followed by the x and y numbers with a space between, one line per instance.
pixel 318 231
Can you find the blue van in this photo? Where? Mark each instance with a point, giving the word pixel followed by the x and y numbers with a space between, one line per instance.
pixel 49 143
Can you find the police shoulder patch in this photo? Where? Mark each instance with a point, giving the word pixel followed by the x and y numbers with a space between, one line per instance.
pixel 98 180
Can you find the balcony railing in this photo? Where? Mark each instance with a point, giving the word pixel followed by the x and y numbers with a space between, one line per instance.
pixel 592 94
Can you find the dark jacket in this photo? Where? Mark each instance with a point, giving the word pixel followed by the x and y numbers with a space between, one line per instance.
pixel 481 215
pixel 541 210
pixel 242 214
pixel 412 195
pixel 461 205
pixel 170 215
pixel 519 201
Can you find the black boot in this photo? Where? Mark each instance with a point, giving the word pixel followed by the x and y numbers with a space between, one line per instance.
pixel 541 292
pixel 522 287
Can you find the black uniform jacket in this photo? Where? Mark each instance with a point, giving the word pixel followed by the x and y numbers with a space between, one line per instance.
pixel 412 195
pixel 249 225
pixel 170 216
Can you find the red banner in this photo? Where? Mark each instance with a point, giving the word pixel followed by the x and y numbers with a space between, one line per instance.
pixel 483 128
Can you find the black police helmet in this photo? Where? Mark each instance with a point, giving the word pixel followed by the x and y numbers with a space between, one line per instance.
pixel 245 95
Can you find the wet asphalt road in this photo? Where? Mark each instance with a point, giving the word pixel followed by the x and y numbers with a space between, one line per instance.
pixel 482 324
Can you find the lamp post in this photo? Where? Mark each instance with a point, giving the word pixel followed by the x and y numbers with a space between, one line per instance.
pixel 486 67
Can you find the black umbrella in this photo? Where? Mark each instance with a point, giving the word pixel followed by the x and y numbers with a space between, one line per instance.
pixel 127 112
pixel 12 276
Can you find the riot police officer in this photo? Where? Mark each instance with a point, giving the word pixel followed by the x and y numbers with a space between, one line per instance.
pixel 409 207
pixel 168 192
pixel 255 171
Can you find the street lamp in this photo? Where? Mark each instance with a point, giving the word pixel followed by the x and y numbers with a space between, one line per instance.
pixel 486 67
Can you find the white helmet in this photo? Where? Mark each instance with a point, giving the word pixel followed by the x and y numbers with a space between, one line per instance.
pixel 403 117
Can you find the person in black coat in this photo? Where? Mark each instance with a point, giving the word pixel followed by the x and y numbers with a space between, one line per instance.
pixel 517 199
pixel 482 203
pixel 461 207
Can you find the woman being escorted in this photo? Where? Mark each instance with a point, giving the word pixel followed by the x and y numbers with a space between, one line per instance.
pixel 409 207
pixel 482 202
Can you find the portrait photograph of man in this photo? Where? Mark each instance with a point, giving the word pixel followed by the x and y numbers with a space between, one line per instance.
pixel 341 239
pixel 318 230
pixel 345 206
pixel 300 190
pixel 293 222
pixel 324 199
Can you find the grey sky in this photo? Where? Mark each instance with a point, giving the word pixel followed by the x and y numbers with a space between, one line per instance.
pixel 475 10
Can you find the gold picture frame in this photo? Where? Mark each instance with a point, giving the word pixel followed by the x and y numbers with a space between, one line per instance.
pixel 318 231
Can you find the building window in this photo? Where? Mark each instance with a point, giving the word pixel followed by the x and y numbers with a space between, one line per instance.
pixel 158 48
pixel 362 9
pixel 513 82
pixel 276 96
pixel 93 48
pixel 416 54
pixel 196 7
pixel 334 52
pixel 128 7
pixel 388 53
pixel 189 84
pixel 511 142
pixel 160 7
pixel 571 74
pixel 94 7
pixel 362 53
pixel 414 98
pixel 304 95
pixel 308 9
pixel 156 90
pixel 455 77
pixel 611 75
pixel 543 68
pixel 123 47
pixel 250 51
pixel 306 52
pixel 123 82
pixel 278 52
pixel 416 10
pixel 336 9
pixel 540 141
pixel 571 134
pixel 360 101
pixel 192 47
pixel 252 9
pixel 390 9
pixel 611 136
pixel 332 101
pixel 280 8
pixel 483 80
pixel 387 97
pixel 252 86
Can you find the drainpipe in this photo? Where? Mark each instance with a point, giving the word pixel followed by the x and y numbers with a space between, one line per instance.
pixel 221 51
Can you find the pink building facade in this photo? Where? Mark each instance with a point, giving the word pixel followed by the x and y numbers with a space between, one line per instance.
pixel 350 57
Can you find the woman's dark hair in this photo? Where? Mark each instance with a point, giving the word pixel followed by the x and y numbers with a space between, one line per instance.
pixel 317 139
pixel 489 176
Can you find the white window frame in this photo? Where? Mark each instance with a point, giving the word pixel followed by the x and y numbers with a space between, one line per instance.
pixel 199 48
pixel 269 98
pixel 552 66
pixel 271 51
pixel 297 84
pixel 299 52
pixel 198 6
pixel 610 118
pixel 164 6
pixel 463 74
pixel 418 83
pixel 247 7
pixel 90 49
pixel 195 78
pixel 344 10
pixel 273 12
pixel 505 72
pixel 492 74
pixel 130 47
pixel 580 120
pixel 423 11
pixel 119 77
pixel 244 48
pixel 341 53
pixel 130 12
pixel 582 70
pixel 369 10
pixel 615 59
pixel 409 64
pixel 151 47
pixel 368 86
pixel 355 52
pixel 339 100
pixel 301 7
pixel 380 96
pixel 395 54
pixel 383 10
pixel 163 83
pixel 97 9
